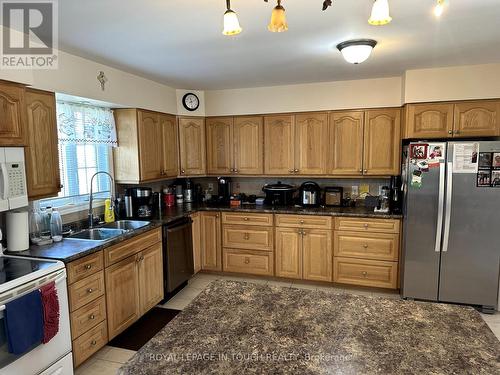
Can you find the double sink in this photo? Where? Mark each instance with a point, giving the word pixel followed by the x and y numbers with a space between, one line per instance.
pixel 108 231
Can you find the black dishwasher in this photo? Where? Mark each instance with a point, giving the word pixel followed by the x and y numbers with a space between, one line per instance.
pixel 178 264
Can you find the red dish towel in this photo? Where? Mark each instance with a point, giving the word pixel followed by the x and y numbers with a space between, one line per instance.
pixel 50 307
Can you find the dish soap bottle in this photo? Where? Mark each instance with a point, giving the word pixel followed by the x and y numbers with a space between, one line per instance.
pixel 56 226
pixel 109 212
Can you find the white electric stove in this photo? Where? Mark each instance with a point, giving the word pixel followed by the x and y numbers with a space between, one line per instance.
pixel 19 276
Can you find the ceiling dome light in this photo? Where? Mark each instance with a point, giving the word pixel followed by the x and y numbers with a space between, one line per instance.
pixel 356 51
pixel 278 19
pixel 439 8
pixel 380 13
pixel 231 23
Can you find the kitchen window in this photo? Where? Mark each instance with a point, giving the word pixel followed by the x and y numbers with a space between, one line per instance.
pixel 86 135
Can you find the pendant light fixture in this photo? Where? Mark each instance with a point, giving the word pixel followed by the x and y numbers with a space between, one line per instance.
pixel 380 13
pixel 231 23
pixel 278 19
pixel 439 8
pixel 357 51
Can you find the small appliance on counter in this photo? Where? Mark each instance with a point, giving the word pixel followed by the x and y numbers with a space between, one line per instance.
pixel 396 195
pixel 169 197
pixel 224 190
pixel 141 202
pixel 188 191
pixel 384 200
pixel 334 196
pixel 13 186
pixel 310 194
pixel 279 194
pixel 179 194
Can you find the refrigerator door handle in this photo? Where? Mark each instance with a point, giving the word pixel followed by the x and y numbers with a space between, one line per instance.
pixel 439 231
pixel 447 218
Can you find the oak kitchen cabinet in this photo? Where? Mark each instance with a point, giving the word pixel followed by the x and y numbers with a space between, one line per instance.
pixel 12 114
pixel 219 138
pixel 211 251
pixel 295 144
pixel 147 146
pixel 42 155
pixel 192 149
pixel 479 118
pixel 134 279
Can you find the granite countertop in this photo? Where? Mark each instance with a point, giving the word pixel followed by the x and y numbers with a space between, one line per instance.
pixel 70 250
pixel 242 328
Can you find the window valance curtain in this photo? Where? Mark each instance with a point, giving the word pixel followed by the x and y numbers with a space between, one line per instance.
pixel 85 124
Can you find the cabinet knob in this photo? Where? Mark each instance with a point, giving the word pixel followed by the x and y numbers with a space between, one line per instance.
pixel 365 171
pixel 93 343
pixel 183 171
pixel 91 317
pixel 61 186
pixel 247 236
pixel 296 171
pixel 88 266
pixel 365 246
pixel 302 222
pixel 365 273
pixel 247 260
pixel 366 226
pixel 450 131
pixel 304 233
pixel 90 290
pixel 246 218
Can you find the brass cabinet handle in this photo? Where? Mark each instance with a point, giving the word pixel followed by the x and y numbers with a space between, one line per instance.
pixel 88 266
pixel 61 186
pixel 183 171
pixel 247 260
pixel 296 171
pixel 450 131
pixel 93 343
pixel 360 171
pixel 90 290
pixel 365 273
pixel 365 171
pixel 365 246
pixel 304 233
pixel 302 222
pixel 91 317
pixel 366 226
pixel 246 218
pixel 247 236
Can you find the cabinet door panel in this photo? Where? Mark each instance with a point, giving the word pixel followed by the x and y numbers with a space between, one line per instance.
pixel 219 145
pixel 429 120
pixel 311 142
pixel 122 295
pixel 12 115
pixel 211 249
pixel 196 232
pixel 288 253
pixel 192 146
pixel 477 119
pixel 318 255
pixel 279 144
pixel 42 155
pixel 150 145
pixel 382 142
pixel 170 165
pixel 150 277
pixel 345 146
pixel 248 135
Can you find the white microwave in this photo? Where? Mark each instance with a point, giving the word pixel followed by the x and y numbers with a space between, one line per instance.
pixel 13 190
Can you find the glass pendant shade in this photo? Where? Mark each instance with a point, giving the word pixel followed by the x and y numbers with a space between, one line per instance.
pixel 278 20
pixel 231 23
pixel 439 8
pixel 357 51
pixel 380 13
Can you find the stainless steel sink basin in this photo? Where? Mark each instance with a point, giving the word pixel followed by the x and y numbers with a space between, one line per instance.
pixel 126 224
pixel 97 234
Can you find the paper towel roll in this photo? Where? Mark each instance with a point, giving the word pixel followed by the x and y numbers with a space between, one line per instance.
pixel 18 231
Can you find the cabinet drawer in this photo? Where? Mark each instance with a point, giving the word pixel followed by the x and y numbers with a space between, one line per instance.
pixel 304 221
pixel 125 249
pixel 377 246
pixel 85 291
pixel 367 225
pixel 89 343
pixel 247 261
pixel 87 317
pixel 247 218
pixel 241 237
pixel 373 273
pixel 86 266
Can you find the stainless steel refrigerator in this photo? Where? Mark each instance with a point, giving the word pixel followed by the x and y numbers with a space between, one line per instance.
pixel 451 249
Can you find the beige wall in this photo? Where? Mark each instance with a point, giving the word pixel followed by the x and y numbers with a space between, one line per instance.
pixel 368 93
pixel 452 83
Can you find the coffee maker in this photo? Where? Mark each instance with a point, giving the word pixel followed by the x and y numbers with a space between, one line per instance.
pixel 141 202
pixel 396 195
pixel 223 190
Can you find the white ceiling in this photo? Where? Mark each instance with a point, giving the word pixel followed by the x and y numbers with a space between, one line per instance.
pixel 179 42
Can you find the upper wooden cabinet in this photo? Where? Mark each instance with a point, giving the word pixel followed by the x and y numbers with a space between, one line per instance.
pixel 279 145
pixel 219 133
pixel 382 142
pixel 192 146
pixel 147 146
pixel 311 137
pixel 480 118
pixel 477 119
pixel 429 120
pixel 248 146
pixel 12 114
pixel 345 143
pixel 42 160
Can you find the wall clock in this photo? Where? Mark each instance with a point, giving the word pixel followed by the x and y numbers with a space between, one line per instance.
pixel 191 102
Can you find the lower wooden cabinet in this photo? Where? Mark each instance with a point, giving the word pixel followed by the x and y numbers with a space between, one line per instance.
pixel 363 272
pixel 288 253
pixel 89 343
pixel 248 261
pixel 211 250
pixel 150 277
pixel 196 232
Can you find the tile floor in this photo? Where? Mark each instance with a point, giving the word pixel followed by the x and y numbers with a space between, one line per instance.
pixel 109 359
